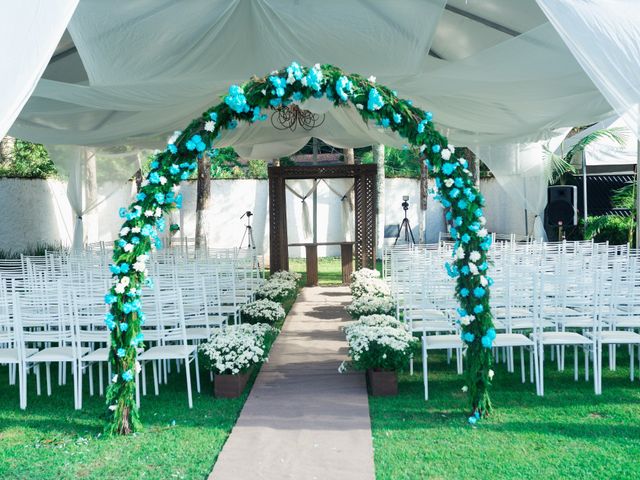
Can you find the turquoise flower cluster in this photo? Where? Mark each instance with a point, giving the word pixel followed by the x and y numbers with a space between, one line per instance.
pixel 143 219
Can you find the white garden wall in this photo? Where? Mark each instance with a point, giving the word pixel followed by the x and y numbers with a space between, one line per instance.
pixel 38 211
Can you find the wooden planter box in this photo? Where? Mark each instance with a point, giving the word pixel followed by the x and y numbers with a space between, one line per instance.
pixel 382 383
pixel 230 386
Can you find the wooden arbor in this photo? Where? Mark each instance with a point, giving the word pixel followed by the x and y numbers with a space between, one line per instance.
pixel 365 209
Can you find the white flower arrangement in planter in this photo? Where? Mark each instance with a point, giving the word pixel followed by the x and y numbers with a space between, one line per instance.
pixel 364 273
pixel 262 311
pixel 277 290
pixel 286 275
pixel 371 305
pixel 237 348
pixel 381 350
pixel 375 287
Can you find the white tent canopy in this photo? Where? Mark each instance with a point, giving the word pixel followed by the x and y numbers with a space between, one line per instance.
pixel 496 73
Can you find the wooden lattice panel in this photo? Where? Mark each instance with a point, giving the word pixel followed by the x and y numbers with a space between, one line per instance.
pixel 365 209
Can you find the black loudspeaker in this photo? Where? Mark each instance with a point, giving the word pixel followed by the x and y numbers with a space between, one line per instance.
pixel 561 205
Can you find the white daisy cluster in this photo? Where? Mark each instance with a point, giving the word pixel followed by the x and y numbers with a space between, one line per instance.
pixel 378 320
pixel 262 311
pixel 237 348
pixel 364 274
pixel 285 275
pixel 277 289
pixel 374 287
pixel 385 347
pixel 371 305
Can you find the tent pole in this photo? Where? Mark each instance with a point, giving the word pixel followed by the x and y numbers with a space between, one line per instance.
pixel 638 193
pixel 584 188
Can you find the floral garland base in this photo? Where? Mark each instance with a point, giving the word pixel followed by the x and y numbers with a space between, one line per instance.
pixel 159 194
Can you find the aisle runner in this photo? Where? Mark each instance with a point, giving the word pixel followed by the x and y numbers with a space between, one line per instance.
pixel 304 420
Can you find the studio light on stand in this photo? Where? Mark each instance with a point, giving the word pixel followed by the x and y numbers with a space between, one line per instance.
pixel 404 229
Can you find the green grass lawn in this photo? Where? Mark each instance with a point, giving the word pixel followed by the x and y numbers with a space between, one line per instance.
pixel 568 433
pixel 51 440
pixel 329 269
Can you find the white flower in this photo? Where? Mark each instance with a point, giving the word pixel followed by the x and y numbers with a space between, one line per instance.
pixel 263 91
pixel 158 212
pixel 210 126
pixel 135 230
pixel 304 81
pixel 422 148
pixel 143 258
pixel 465 389
pixel 460 253
pixel 174 137
pixel 467 319
pixel 114 379
pixel 137 368
pixel 175 188
pixel 372 79
pixel 125 231
pixel 119 288
pixel 483 281
pixel 128 247
pixel 139 266
pixel 445 154
pixel 291 80
pixel 474 256
pixel 483 232
pixel 482 220
pixel 359 106
pixel 451 148
pixel 473 268
pixel 125 281
pixel 148 213
pixel 449 182
pixel 144 183
pixel 113 407
pixel 163 180
pixel 490 373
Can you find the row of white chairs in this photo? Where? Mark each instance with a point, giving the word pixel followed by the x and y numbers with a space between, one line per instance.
pixel 546 297
pixel 52 311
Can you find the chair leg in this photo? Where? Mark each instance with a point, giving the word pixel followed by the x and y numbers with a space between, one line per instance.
pixel 90 368
pixel 425 373
pixel 197 367
pixel 38 389
pixel 586 364
pixel 575 362
pixel 597 368
pixel 536 369
pixel 143 366
pixel 77 385
pixel 521 363
pixel 187 372
pixel 137 386
pixel 100 379
pixel 411 365
pixel 48 367
pixel 155 377
pixel 459 360
pixel 541 368
pixel 531 350
pixel 22 379
pixel 632 364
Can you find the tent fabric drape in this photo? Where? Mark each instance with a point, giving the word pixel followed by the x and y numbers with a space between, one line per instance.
pixel 31 30
pixel 604 37
pixel 346 202
pixel 306 218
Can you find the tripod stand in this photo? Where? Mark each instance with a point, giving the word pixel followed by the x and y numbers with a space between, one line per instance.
pixel 248 234
pixel 405 225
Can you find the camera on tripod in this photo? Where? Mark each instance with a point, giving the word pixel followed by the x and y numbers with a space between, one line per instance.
pixel 247 214
pixel 404 229
pixel 405 202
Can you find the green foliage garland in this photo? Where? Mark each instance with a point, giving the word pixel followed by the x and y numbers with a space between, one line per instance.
pixel 376 104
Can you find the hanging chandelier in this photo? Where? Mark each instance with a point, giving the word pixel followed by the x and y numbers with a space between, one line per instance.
pixel 292 116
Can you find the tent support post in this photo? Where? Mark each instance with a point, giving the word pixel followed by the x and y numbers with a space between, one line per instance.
pixel 638 196
pixel 584 189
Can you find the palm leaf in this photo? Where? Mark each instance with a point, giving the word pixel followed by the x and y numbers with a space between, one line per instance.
pixel 555 166
pixel 618 135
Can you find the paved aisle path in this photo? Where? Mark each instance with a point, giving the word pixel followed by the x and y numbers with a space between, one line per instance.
pixel 304 420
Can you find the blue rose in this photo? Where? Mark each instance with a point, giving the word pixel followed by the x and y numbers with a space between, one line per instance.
pixel 375 101
pixel 127 376
pixel 172 148
pixel 464 292
pixel 121 352
pixel 154 177
pixel 109 298
pixel 479 292
pixel 478 309
pixel 124 267
pixel 436 149
pixel 486 342
pixel 468 337
pixel 397 118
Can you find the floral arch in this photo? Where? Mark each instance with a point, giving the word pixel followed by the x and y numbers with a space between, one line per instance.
pixel 143 219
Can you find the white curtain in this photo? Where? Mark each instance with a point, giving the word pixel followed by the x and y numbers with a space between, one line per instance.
pixel 604 37
pixel 31 30
pixel 519 168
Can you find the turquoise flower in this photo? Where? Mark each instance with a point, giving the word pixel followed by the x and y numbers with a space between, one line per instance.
pixel 279 85
pixel 124 267
pixel 465 270
pixel 108 321
pixel 172 148
pixel 462 204
pixel 465 238
pixel 122 212
pixel 478 309
pixel 458 182
pixel 114 269
pixel 468 337
pixel 109 298
pixel 428 117
pixel 464 292
pixel 436 149
pixel 397 118
pixel 236 100
pixel 454 192
pixel 174 169
pixel 213 116
pixel 121 352
pixel 385 122
pixel 478 212
pixel 294 71
pixel 141 196
pixel 154 165
pixel 479 292
pixel 147 230
pixel 343 88
pixel 154 177
pixel 127 376
pixel 159 197
pixel 486 342
pixel 375 101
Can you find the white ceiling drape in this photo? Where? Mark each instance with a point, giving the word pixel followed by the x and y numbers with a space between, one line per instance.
pixel 29 35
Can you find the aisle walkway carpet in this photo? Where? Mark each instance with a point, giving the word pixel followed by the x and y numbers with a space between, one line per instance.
pixel 304 420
